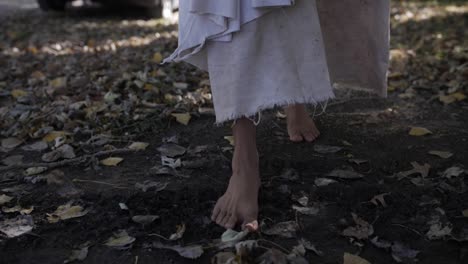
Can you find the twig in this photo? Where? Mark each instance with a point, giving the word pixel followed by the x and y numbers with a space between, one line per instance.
pixel 274 244
pixel 100 182
pixel 409 228
pixel 62 163
pixel 160 236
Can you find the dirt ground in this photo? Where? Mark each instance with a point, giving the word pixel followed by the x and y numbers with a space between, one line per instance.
pixel 92 77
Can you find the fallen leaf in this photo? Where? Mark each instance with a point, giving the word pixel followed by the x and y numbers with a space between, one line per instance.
pixel 345 174
pixel 146 185
pixel 310 247
pixel 172 150
pixel 184 119
pixel 379 200
pixel 232 237
pixel 66 211
pixel 358 161
pixel 419 131
pixel 243 248
pixel 51 136
pixel 453 172
pixel 144 219
pixel 36 146
pixel 441 154
pixel 272 256
pixel 284 229
pixel 123 206
pixel 437 231
pixel 34 170
pixel 58 83
pixel 11 143
pixel 230 139
pixel 17 93
pixel 306 210
pixel 353 259
pixel 290 175
pixel 423 170
pixel 325 149
pixel 120 240
pixel 362 230
pixel 191 252
pixel 400 252
pixel 224 258
pixel 12 160
pixel 63 152
pixel 138 146
pixel 5 199
pixel 157 57
pixel 465 213
pixel 179 233
pixel 323 182
pixel 17 208
pixel 112 161
pixel 171 162
pixel 17 226
pixel 78 255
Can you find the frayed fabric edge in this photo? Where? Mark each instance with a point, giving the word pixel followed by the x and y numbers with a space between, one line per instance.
pixel 321 102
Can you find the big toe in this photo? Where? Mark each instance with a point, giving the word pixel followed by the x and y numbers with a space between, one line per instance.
pixel 295 137
pixel 309 136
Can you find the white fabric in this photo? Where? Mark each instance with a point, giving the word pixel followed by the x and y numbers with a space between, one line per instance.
pixel 352 36
pixel 276 60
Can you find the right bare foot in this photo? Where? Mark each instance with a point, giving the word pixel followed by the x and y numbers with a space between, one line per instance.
pixel 239 205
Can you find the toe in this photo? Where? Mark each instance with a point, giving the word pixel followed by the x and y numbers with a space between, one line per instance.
pixel 220 218
pixel 296 137
pixel 231 223
pixel 309 136
pixel 216 212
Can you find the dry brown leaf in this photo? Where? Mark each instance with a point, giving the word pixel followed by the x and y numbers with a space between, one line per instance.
pixel 17 93
pixel 379 200
pixel 58 83
pixel 51 136
pixel 5 199
pixel 179 233
pixel 285 229
pixel 138 146
pixel 230 139
pixel 112 161
pixel 120 240
pixel 157 57
pixel 34 171
pixel 11 143
pixel 362 230
pixel 441 154
pixel 419 131
pixel 66 211
pixel 353 259
pixel 184 119
pixel 17 226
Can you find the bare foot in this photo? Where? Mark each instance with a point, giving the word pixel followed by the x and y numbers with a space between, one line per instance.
pixel 300 125
pixel 239 205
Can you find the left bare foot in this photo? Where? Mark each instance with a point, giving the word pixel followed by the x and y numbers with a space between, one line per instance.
pixel 300 125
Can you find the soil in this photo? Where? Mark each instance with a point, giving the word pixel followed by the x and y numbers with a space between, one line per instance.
pixel 375 130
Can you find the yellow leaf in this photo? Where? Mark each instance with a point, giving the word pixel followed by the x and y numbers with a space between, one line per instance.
pixel 112 161
pixel 33 50
pixel 157 57
pixel 5 199
pixel 66 211
pixel 51 136
pixel 353 259
pixel 58 82
pixel 447 99
pixel 182 118
pixel 459 96
pixel 16 93
pixel 419 131
pixel 465 213
pixel 138 146
pixel 230 139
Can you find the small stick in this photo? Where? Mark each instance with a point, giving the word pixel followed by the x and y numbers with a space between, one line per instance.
pixel 100 182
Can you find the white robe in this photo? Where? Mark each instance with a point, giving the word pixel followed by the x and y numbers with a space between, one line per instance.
pixel 355 32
